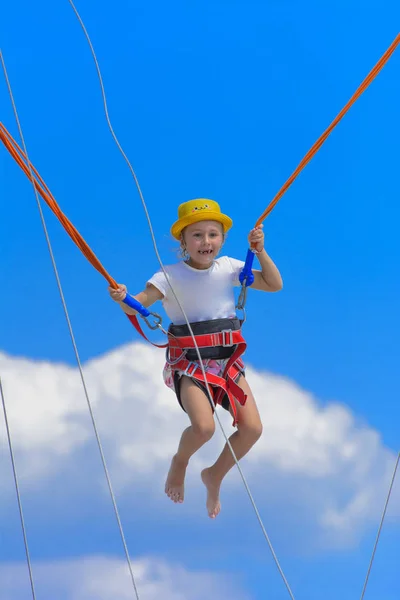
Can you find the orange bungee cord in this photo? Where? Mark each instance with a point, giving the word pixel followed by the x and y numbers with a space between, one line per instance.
pixel 314 149
pixel 19 156
pixel 246 276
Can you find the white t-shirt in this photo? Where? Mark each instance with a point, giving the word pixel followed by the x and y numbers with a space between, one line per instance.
pixel 204 294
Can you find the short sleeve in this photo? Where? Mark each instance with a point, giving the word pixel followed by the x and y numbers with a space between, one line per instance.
pixel 236 268
pixel 159 281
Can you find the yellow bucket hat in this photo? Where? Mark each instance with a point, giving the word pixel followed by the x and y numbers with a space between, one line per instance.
pixel 200 209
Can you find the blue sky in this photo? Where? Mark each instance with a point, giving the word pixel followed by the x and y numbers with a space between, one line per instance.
pixel 217 99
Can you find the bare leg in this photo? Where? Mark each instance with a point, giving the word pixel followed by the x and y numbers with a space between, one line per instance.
pixel 248 432
pixel 202 428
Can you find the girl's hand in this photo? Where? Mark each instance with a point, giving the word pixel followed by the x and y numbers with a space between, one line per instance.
pixel 256 238
pixel 119 294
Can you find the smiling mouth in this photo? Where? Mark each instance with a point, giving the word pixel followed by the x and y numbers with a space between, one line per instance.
pixel 205 251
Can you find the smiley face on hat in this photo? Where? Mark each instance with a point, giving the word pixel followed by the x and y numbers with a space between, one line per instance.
pixel 200 207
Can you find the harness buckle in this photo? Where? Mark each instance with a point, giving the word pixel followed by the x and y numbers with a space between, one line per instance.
pixel 229 333
pixel 190 371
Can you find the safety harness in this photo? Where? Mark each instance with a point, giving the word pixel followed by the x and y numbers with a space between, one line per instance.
pixel 215 341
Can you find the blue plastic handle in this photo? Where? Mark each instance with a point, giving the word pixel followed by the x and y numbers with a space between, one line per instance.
pixel 247 274
pixel 133 303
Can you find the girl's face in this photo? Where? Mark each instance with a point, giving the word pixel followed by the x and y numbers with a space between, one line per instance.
pixel 202 241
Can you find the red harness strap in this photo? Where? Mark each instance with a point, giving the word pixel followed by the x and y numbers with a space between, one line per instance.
pixel 219 385
pixel 135 322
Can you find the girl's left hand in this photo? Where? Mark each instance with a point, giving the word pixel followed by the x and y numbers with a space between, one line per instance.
pixel 256 238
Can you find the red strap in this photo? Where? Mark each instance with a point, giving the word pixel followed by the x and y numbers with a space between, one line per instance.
pixel 226 385
pixel 208 340
pixel 226 388
pixel 134 320
pixel 233 390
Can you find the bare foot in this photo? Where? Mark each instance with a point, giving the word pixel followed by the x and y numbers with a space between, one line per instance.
pixel 174 486
pixel 213 504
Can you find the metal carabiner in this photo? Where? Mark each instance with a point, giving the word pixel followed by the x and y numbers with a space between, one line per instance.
pixel 156 324
pixel 241 303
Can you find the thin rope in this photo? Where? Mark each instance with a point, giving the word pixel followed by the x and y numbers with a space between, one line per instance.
pixel 21 513
pixel 71 331
pixel 380 526
pixel 177 300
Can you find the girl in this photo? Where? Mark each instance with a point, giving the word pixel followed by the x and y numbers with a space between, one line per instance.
pixel 204 285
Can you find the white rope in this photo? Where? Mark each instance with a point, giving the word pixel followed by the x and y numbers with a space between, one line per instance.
pixel 176 298
pixel 380 526
pixel 70 331
pixel 14 469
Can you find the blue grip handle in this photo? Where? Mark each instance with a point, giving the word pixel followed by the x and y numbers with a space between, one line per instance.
pixel 247 274
pixel 133 303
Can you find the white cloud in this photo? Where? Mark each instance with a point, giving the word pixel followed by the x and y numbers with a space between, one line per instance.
pixel 338 467
pixel 45 411
pixel 105 578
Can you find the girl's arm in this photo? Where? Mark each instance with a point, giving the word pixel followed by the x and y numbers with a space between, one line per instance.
pixel 147 297
pixel 268 279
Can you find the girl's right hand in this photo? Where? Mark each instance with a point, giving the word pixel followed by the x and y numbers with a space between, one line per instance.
pixel 118 295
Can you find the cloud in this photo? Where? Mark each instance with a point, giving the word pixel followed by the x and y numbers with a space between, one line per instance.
pixel 316 462
pixel 106 578
pixel 338 465
pixel 45 411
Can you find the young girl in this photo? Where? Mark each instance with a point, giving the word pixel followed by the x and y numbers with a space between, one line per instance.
pixel 204 286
